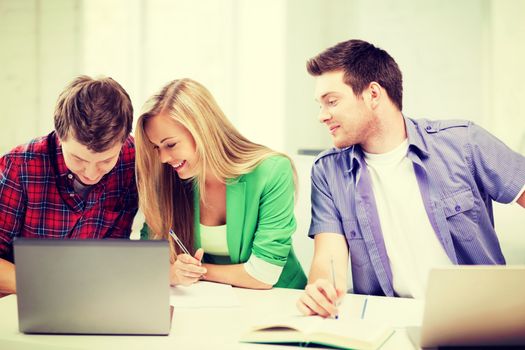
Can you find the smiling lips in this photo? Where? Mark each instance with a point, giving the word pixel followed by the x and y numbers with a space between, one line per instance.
pixel 333 128
pixel 177 166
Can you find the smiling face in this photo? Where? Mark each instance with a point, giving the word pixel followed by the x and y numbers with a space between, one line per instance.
pixel 89 167
pixel 347 116
pixel 174 144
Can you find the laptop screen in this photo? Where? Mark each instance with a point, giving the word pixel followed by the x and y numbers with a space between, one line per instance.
pixel 92 286
pixel 474 305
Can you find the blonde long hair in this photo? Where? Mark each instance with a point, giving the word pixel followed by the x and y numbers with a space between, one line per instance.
pixel 165 199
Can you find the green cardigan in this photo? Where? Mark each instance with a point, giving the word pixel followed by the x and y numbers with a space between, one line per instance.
pixel 260 219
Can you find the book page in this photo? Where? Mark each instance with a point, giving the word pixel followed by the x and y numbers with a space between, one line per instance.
pixel 202 295
pixel 396 312
pixel 367 331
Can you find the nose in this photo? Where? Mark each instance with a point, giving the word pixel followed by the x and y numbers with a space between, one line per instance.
pixel 164 156
pixel 324 116
pixel 92 172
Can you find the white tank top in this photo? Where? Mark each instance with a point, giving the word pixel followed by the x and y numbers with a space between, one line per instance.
pixel 213 240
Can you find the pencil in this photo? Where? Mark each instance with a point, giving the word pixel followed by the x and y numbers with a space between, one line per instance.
pixel 364 308
pixel 333 282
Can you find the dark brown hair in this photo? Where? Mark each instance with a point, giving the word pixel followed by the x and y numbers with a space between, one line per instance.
pixel 362 64
pixel 95 112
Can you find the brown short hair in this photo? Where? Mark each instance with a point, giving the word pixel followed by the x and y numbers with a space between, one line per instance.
pixel 96 112
pixel 362 64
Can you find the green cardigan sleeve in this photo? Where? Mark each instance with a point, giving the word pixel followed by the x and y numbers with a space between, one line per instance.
pixel 276 221
pixel 276 224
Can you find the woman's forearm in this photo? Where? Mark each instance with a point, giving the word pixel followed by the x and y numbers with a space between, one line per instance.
pixel 235 275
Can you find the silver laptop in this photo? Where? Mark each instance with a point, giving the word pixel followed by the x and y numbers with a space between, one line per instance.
pixel 92 286
pixel 473 306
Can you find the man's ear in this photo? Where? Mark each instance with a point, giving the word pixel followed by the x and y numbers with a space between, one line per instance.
pixel 373 95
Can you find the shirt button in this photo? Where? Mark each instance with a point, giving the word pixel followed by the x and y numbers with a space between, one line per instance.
pixel 352 234
pixel 71 195
pixel 428 128
pixel 457 208
pixel 70 176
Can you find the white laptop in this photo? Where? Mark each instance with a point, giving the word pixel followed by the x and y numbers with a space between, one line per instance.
pixel 473 306
pixel 93 286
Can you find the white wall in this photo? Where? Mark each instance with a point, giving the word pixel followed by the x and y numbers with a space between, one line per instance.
pixel 507 93
pixel 39 54
pixel 459 58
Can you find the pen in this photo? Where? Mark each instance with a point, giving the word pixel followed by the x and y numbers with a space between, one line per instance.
pixel 179 242
pixel 181 246
pixel 333 282
pixel 364 308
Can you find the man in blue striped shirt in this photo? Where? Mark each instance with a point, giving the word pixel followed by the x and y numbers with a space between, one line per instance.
pixel 396 196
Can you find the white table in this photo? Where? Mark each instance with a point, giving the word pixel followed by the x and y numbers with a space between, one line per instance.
pixel 213 328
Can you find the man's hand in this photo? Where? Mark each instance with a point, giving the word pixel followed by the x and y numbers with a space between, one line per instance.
pixel 320 298
pixel 327 279
pixel 7 278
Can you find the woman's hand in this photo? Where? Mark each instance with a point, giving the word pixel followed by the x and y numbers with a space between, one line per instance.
pixel 187 269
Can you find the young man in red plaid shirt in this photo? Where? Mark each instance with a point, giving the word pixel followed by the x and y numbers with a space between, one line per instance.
pixel 76 182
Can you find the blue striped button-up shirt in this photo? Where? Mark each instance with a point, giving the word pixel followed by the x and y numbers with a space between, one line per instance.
pixel 460 169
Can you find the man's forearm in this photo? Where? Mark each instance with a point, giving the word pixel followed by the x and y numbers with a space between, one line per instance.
pixel 7 277
pixel 331 251
pixel 321 269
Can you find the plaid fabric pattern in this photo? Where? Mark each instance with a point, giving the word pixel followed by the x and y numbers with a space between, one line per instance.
pixel 37 198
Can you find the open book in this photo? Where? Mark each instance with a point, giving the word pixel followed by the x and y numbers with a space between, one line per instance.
pixel 304 330
pixel 203 294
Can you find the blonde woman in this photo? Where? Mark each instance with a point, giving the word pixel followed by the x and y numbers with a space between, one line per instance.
pixel 229 200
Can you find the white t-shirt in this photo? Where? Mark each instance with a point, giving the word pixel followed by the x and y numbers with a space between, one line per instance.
pixel 411 243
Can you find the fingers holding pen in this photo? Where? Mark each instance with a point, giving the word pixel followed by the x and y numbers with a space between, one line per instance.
pixel 319 298
pixel 188 269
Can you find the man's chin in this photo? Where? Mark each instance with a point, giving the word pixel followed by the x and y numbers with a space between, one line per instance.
pixel 87 182
pixel 342 144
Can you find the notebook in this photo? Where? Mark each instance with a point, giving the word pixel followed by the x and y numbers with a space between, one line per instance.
pixel 92 286
pixel 472 306
pixel 203 294
pixel 304 330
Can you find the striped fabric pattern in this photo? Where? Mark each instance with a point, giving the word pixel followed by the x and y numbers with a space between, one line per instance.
pixel 38 200
pixel 460 169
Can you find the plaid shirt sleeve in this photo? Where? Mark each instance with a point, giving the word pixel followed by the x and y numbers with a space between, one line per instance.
pixel 128 187
pixel 122 227
pixel 12 205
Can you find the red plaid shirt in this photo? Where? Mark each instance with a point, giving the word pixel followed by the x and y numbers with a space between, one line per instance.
pixel 37 198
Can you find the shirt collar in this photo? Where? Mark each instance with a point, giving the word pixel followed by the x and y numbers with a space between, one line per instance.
pixel 416 142
pixel 355 157
pixel 415 139
pixel 60 163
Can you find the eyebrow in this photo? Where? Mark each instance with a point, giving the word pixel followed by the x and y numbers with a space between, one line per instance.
pixel 82 159
pixel 324 95
pixel 166 138
pixel 161 141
